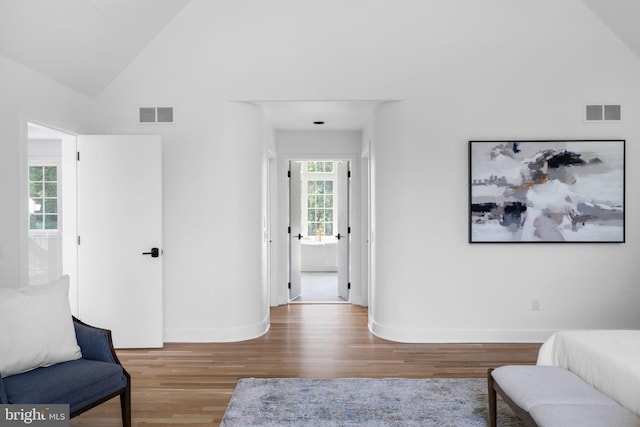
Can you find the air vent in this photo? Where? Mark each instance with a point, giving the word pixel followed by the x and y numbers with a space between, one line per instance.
pixel 155 115
pixel 603 113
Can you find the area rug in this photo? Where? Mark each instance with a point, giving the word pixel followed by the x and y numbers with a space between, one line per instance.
pixel 362 402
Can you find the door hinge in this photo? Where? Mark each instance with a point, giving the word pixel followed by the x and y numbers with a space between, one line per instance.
pixel 289 229
pixel 349 285
pixel 348 174
pixel 349 230
pixel 78 240
pixel 288 174
pixel 78 155
pixel 289 285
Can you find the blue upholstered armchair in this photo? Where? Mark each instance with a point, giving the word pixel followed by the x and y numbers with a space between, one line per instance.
pixel 83 383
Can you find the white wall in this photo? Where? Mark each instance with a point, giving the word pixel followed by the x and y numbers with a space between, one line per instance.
pixel 464 70
pixel 26 96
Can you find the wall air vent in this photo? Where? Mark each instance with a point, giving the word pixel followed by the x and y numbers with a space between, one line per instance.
pixel 155 115
pixel 603 113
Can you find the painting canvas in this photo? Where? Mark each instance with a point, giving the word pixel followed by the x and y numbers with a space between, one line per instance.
pixel 546 191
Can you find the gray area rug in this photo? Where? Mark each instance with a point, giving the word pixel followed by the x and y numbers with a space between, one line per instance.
pixel 362 402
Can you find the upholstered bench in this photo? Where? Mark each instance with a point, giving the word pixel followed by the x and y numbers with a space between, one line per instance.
pixel 546 396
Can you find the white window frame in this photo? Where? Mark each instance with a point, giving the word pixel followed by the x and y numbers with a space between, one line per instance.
pixel 47 162
pixel 307 176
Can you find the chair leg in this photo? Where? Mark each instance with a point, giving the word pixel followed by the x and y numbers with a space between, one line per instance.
pixel 125 404
pixel 492 400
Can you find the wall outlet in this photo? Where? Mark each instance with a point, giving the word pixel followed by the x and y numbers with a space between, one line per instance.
pixel 535 304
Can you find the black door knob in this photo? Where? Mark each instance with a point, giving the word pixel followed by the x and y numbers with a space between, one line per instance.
pixel 155 253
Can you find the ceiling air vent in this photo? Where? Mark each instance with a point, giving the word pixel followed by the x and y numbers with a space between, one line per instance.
pixel 148 115
pixel 603 113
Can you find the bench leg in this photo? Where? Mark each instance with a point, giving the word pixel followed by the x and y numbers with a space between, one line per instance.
pixel 491 392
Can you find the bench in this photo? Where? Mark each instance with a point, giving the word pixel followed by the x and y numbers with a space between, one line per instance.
pixel 546 396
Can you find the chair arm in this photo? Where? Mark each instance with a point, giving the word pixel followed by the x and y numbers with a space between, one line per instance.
pixel 95 343
pixel 3 394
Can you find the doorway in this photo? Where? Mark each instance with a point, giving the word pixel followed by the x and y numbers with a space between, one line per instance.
pixel 51 232
pixel 319 231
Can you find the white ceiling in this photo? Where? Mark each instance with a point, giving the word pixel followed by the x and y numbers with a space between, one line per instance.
pixel 83 44
pixel 86 44
pixel 301 115
pixel 622 16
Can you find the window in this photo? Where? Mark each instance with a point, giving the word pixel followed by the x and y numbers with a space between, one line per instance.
pixel 320 207
pixel 326 167
pixel 43 198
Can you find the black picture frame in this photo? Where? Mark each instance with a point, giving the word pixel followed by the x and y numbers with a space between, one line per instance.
pixel 547 191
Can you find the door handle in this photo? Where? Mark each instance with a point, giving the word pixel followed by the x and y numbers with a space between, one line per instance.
pixel 339 236
pixel 155 253
pixel 299 236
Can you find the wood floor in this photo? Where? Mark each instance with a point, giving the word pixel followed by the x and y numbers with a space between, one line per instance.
pixel 191 384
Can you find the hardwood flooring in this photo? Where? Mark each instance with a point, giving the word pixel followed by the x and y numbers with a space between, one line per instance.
pixel 191 384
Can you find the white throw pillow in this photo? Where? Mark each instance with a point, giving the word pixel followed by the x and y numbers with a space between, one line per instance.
pixel 36 328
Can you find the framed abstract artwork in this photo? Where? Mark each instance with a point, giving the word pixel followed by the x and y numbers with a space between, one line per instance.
pixel 547 191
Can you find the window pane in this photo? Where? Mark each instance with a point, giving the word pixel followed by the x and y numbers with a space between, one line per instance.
pixel 51 206
pixel 328 229
pixel 328 167
pixel 320 187
pixel 50 189
pixel 328 201
pixel 38 205
pixel 35 173
pixel 51 222
pixel 36 189
pixel 311 202
pixel 328 215
pixel 311 229
pixel 50 173
pixel 311 167
pixel 329 187
pixel 36 222
pixel 311 187
pixel 319 201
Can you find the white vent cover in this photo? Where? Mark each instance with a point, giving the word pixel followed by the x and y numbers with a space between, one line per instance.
pixel 599 113
pixel 150 115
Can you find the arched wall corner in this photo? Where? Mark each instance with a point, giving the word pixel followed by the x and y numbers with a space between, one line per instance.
pixel 218 335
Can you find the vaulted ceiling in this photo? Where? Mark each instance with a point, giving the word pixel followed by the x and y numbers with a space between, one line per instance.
pixel 83 44
pixel 86 44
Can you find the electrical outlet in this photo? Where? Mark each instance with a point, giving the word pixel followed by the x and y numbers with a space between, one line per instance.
pixel 535 304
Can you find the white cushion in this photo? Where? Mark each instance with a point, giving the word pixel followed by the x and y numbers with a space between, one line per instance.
pixel 36 328
pixel 529 386
pixel 583 416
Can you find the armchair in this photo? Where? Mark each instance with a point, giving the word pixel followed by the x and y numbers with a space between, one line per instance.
pixel 83 383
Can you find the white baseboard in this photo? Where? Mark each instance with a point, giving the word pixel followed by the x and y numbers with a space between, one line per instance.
pixel 207 335
pixel 411 335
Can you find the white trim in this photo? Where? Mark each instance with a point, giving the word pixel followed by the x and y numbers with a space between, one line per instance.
pixel 221 335
pixel 407 335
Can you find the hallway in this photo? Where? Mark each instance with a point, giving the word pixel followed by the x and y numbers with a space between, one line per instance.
pixel 319 287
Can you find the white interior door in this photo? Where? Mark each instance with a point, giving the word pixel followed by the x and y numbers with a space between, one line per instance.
pixel 295 228
pixel 119 222
pixel 343 234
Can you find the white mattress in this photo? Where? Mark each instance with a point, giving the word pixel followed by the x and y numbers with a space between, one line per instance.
pixel 607 359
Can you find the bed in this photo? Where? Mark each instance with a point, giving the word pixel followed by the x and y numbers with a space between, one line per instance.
pixel 609 360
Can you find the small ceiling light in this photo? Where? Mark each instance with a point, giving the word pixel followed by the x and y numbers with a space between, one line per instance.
pixel 318 123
